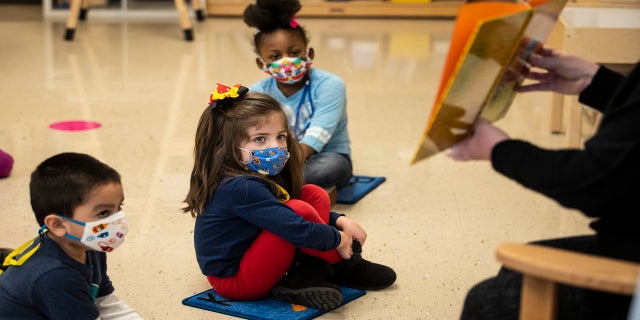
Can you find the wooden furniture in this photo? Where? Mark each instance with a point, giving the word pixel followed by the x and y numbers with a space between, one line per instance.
pixel 351 8
pixel 78 10
pixel 606 35
pixel 543 268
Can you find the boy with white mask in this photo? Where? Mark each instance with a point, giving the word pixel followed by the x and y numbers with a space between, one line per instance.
pixel 61 274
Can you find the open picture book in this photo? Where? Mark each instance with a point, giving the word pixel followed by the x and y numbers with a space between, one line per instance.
pixel 490 45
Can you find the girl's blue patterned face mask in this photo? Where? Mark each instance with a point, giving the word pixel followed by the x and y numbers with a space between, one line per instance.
pixel 269 161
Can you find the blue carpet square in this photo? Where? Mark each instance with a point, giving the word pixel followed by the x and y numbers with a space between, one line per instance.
pixel 265 309
pixel 358 187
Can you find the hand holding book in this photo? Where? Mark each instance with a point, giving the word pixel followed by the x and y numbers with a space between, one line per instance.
pixel 485 65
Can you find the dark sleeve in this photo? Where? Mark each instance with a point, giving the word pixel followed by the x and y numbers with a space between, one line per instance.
pixel 599 93
pixel 62 293
pixel 559 174
pixel 100 274
pixel 255 203
pixel 333 218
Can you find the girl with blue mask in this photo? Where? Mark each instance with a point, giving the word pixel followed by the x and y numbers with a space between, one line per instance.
pixel 259 230
pixel 314 100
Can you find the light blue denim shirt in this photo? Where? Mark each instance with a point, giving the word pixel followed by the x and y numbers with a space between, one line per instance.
pixel 317 113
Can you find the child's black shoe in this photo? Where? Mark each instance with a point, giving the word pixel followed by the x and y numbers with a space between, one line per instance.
pixel 305 284
pixel 359 273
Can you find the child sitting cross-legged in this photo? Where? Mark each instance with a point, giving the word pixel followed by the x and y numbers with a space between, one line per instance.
pixel 259 230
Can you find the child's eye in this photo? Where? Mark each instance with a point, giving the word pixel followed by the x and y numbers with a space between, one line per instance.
pixel 259 139
pixel 103 214
pixel 274 57
pixel 294 53
pixel 282 137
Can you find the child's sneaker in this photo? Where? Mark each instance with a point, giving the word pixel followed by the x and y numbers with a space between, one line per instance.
pixel 359 273
pixel 305 284
pixel 326 297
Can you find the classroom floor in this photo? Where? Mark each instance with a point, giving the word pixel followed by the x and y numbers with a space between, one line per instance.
pixel 437 222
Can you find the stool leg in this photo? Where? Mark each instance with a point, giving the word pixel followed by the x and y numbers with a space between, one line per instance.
pixel 574 125
pixel 72 20
pixel 197 7
pixel 185 23
pixel 557 113
pixel 84 10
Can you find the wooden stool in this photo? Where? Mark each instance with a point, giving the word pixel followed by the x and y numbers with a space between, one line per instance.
pixel 593 34
pixel 79 9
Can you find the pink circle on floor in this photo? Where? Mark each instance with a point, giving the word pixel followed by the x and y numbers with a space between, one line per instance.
pixel 76 125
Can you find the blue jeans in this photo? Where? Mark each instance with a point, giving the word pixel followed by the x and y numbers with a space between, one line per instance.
pixel 328 169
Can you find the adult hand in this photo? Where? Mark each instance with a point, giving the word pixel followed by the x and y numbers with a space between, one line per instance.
pixel 564 74
pixel 478 146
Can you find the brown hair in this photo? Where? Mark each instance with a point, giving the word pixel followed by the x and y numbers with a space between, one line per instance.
pixel 221 129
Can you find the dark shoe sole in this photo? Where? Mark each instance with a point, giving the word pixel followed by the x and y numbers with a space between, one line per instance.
pixel 366 288
pixel 321 298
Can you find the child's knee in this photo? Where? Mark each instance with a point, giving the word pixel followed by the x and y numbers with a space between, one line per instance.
pixel 303 209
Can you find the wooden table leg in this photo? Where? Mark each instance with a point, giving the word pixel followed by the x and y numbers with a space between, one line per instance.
pixel 72 19
pixel 557 113
pixel 574 123
pixel 185 22
pixel 197 7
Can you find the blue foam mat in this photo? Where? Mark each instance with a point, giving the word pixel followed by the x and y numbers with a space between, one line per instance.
pixel 265 309
pixel 358 187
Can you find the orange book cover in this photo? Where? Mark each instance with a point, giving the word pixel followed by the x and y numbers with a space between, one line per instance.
pixel 489 44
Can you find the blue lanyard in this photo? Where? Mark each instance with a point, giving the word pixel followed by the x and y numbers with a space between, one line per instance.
pixel 305 94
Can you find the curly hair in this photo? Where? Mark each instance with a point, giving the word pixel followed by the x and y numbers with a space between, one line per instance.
pixel 271 15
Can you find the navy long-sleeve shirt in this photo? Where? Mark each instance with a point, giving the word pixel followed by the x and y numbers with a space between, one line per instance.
pixel 239 210
pixel 601 180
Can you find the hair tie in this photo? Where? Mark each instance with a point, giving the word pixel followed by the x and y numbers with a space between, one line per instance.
pixel 222 92
pixel 293 23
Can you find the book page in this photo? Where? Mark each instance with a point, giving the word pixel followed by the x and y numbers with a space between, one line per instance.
pixel 544 19
pixel 481 77
pixel 488 52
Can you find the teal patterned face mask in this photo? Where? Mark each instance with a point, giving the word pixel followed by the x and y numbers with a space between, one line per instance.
pixel 269 161
pixel 288 70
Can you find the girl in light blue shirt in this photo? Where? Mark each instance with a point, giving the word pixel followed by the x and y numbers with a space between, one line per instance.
pixel 314 100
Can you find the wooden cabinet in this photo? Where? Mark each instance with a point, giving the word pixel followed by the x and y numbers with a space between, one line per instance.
pixel 351 8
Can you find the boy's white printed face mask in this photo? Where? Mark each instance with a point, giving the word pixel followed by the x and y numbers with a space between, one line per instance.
pixel 102 235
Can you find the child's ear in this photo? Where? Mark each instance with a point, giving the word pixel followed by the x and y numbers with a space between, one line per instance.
pixel 55 225
pixel 259 63
pixel 311 54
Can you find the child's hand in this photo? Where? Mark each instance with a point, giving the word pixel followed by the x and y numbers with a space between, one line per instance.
pixel 352 228
pixel 344 249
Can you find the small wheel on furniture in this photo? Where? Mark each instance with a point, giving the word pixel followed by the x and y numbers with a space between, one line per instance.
pixel 188 34
pixel 83 14
pixel 200 15
pixel 69 34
